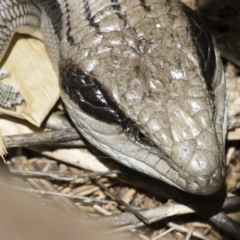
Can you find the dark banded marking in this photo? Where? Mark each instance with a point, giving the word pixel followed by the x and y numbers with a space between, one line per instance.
pixel 69 29
pixel 88 14
pixel 54 12
pixel 143 2
pixel 144 5
pixel 116 6
pixel 203 40
pixel 117 9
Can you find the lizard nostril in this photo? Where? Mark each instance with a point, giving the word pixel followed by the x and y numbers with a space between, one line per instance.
pixel 202 185
pixel 202 182
pixel 203 163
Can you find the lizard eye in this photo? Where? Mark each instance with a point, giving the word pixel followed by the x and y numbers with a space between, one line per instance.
pixel 137 135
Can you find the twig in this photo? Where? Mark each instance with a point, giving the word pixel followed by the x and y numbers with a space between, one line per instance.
pixel 72 196
pixel 234 123
pixel 72 144
pixel 41 138
pixel 62 176
pixel 152 214
pixel 189 234
pixel 120 201
pixel 186 230
pixel 164 233
pixel 167 210
pixel 224 222
pixel 101 210
pixel 128 227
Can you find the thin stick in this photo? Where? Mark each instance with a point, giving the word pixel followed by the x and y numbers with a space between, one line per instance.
pixel 62 176
pixel 234 123
pixel 120 201
pixel 189 234
pixel 41 138
pixel 128 227
pixel 164 233
pixel 72 196
pixel 224 222
pixel 167 210
pixel 186 230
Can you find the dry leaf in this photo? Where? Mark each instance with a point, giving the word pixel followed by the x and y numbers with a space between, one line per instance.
pixel 32 73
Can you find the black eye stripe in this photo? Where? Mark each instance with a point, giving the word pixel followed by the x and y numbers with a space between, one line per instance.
pixel 91 98
pixel 204 43
pixel 87 93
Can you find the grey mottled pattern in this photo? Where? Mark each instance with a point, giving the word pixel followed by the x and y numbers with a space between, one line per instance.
pixel 142 54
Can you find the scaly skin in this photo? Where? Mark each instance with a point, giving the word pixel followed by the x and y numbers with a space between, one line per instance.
pixel 142 81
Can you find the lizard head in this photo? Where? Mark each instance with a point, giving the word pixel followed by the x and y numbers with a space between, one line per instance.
pixel 151 95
